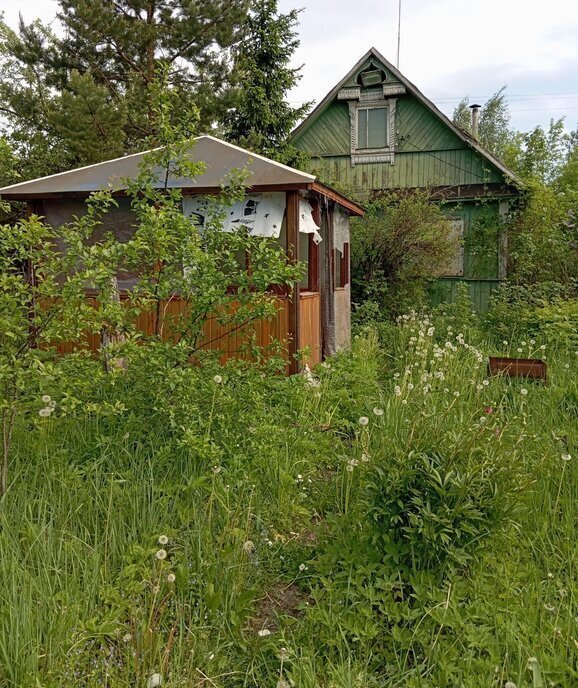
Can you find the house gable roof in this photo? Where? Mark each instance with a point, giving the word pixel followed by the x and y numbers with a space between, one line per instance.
pixel 374 54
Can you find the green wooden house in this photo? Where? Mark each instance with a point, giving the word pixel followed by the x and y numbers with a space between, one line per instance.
pixel 375 131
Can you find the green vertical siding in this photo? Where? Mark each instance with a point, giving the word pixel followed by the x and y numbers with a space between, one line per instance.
pixel 428 154
pixel 445 290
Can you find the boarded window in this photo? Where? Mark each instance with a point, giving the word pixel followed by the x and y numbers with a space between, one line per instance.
pixel 372 127
pixel 455 266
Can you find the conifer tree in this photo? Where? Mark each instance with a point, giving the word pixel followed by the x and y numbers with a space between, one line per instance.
pixel 84 96
pixel 263 119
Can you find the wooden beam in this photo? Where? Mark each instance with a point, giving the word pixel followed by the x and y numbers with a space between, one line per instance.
pixel 292 225
pixel 354 208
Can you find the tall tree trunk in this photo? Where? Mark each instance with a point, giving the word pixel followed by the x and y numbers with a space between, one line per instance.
pixel 150 58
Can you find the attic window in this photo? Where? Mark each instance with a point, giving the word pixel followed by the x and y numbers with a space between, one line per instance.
pixel 371 128
pixel 372 76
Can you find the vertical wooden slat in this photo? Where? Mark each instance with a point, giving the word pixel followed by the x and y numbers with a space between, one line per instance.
pixel 293 257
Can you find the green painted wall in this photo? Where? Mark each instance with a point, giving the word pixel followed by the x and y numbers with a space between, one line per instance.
pixel 427 152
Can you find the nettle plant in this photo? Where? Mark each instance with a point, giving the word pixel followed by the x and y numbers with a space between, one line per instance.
pixel 45 274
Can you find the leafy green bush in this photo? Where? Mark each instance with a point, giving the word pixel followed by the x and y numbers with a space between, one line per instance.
pixel 430 512
pixel 402 242
pixel 546 311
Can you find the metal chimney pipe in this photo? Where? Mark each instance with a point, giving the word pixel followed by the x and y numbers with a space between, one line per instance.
pixel 475 119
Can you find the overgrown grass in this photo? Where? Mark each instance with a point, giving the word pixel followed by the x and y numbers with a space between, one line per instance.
pixel 434 545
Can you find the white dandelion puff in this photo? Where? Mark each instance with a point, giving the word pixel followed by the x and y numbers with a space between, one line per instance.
pixel 171 578
pixel 378 411
pixel 163 540
pixel 161 554
pixel 248 547
pixel 566 457
pixel 217 379
pixel 155 680
pixel 46 398
pixel 264 633
pixel 523 391
pixel 364 420
pixel 45 412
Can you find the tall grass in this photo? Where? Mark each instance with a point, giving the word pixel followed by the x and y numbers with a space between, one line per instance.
pixel 268 492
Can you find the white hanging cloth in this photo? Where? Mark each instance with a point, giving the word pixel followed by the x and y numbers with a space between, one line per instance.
pixel 261 213
pixel 340 229
pixel 307 224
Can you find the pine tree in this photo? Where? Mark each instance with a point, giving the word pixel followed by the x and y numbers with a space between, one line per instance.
pixel 263 119
pixel 122 43
pixel 85 96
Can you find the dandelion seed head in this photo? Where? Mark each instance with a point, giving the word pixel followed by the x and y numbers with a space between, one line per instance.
pixel 264 633
pixel 161 554
pixel 510 684
pixel 566 457
pixel 217 379
pixel 45 412
pixel 523 391
pixel 248 547
pixel 216 469
pixel 46 398
pixel 163 540
pixel 302 567
pixel 378 411
pixel 155 680
pixel 171 578
pixel 364 420
pixel 126 638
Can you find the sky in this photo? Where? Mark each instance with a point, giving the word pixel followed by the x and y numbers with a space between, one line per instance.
pixel 449 49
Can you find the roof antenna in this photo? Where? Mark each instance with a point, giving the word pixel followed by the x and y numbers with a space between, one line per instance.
pixel 398 32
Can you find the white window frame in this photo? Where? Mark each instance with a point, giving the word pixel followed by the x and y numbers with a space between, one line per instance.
pixel 456 265
pixel 369 155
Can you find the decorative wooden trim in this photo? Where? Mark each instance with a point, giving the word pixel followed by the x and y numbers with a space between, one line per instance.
pixel 352 93
pixel 370 155
pixel 393 90
pixel 292 225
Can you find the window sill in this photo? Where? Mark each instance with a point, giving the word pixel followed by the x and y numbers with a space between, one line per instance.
pixel 369 156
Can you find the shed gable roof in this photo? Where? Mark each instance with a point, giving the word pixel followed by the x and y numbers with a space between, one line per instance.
pixel 374 55
pixel 219 156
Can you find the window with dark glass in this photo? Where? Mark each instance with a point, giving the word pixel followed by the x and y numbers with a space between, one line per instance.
pixel 372 128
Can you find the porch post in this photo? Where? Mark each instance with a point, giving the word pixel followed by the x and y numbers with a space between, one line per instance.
pixel 294 296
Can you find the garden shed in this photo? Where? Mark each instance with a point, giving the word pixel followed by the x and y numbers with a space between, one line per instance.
pixel 308 218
